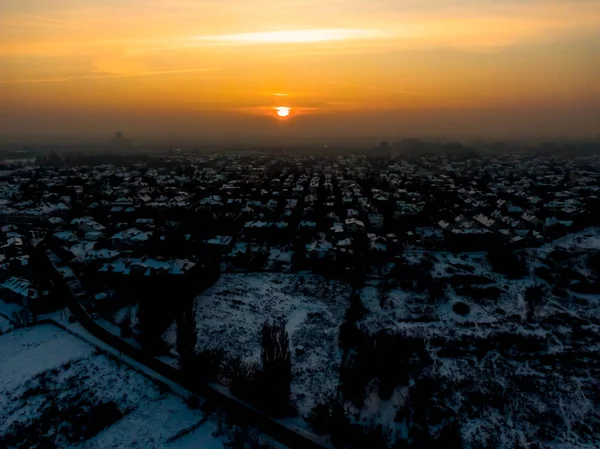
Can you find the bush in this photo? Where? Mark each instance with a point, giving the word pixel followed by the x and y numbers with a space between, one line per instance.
pixel 593 263
pixel 559 255
pixel 545 274
pixel 480 294
pixel 533 298
pixel 461 308
pixel 243 379
pixel 209 364
pixel 321 416
pixel 469 279
pixel 22 318
pixel 350 335
pixel 437 291
pixel 97 418
pixel 507 262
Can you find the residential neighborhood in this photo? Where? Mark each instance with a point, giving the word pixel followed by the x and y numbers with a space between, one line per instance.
pixel 355 258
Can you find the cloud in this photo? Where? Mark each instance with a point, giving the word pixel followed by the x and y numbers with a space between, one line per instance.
pixel 107 76
pixel 292 36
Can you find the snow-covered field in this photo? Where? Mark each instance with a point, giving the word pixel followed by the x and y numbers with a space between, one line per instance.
pixel 538 376
pixel 231 313
pixel 55 388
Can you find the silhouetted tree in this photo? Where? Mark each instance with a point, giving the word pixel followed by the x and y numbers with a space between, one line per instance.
pixel 533 298
pixel 276 363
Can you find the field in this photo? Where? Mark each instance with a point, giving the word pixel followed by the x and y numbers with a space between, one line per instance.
pixel 58 391
pixel 508 369
pixel 506 359
pixel 230 315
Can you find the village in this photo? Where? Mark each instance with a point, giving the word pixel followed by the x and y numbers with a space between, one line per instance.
pixel 426 251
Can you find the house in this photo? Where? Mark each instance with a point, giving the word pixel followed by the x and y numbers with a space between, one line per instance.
pixel 90 226
pixel 430 235
pixel 353 225
pixel 21 291
pixel 532 220
pixel 129 237
pixel 211 203
pixel 485 222
pixel 146 267
pixel 321 249
pixel 65 236
pixel 377 244
pixel 219 244
pixel 376 221
pixel 307 225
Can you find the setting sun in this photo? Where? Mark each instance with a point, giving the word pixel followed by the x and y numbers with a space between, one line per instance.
pixel 283 111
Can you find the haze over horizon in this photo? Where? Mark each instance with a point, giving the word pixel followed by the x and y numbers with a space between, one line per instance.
pixel 344 67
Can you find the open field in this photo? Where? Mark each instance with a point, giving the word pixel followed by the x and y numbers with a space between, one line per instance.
pixel 57 390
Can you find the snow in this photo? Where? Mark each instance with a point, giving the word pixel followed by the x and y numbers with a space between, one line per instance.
pixel 29 351
pixel 587 239
pixel 43 365
pixel 280 256
pixel 488 350
pixel 146 266
pixel 230 314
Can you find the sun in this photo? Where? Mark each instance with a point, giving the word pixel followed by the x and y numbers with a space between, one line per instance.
pixel 283 111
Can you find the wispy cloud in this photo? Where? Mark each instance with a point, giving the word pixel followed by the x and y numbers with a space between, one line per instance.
pixel 292 36
pixel 106 76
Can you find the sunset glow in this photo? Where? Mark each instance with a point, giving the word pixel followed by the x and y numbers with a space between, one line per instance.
pixel 376 67
pixel 282 111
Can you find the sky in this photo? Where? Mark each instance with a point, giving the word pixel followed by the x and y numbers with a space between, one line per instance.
pixel 389 68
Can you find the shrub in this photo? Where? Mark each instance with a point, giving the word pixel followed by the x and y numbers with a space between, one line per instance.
pixel 243 378
pixel 545 274
pixel 209 364
pixel 461 308
pixel 507 262
pixel 480 294
pixel 533 298
pixel 97 418
pixel 322 415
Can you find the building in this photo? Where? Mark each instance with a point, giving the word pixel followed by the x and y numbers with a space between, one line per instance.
pixel 21 291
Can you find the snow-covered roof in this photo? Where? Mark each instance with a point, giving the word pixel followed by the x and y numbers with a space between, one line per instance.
pixel 148 266
pixel 20 286
pixel 220 240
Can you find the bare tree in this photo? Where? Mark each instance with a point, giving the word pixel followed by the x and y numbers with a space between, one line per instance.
pixel 22 318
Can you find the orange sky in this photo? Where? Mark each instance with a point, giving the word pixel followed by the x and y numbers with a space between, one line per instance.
pixel 345 66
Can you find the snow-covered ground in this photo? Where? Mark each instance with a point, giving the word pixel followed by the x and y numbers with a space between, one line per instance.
pixel 543 370
pixel 55 387
pixel 280 258
pixel 586 239
pixel 231 313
